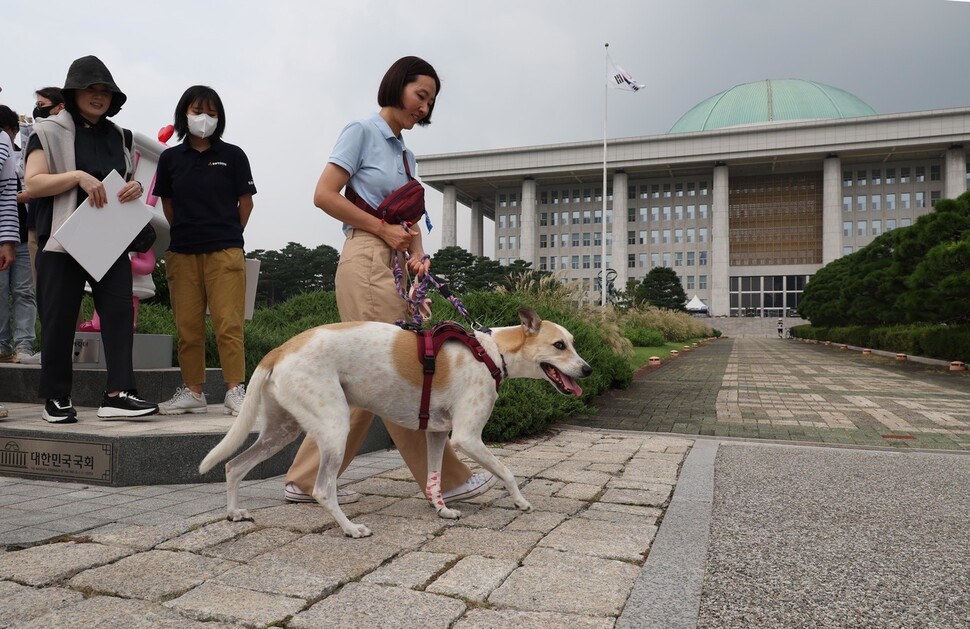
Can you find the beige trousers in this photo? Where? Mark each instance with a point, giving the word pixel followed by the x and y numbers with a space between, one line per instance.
pixel 366 292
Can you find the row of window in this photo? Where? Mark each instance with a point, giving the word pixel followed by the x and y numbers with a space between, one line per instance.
pixel 877 202
pixel 565 263
pixel 873 227
pixel 667 213
pixel 679 258
pixel 666 236
pixel 874 177
pixel 567 240
pixel 668 190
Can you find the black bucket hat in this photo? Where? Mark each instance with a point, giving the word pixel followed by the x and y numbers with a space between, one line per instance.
pixel 88 71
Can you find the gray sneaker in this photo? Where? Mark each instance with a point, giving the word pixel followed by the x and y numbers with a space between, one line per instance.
pixel 184 401
pixel 33 359
pixel 234 400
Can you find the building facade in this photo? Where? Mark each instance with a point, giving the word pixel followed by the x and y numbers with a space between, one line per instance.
pixel 749 194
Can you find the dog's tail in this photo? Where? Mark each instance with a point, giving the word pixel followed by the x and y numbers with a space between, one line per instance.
pixel 243 425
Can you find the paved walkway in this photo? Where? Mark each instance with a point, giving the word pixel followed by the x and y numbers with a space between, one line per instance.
pixel 631 528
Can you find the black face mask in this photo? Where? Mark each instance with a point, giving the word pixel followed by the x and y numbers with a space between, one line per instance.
pixel 42 112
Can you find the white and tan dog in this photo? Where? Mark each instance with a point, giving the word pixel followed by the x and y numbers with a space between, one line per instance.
pixel 310 383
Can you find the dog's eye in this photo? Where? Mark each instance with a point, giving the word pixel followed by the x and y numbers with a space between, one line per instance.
pixel 559 345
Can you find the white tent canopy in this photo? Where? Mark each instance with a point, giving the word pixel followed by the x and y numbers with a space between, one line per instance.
pixel 696 305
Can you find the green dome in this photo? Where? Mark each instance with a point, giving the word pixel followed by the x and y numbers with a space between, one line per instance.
pixel 771 100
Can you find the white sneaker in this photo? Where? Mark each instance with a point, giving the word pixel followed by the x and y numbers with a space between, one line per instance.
pixel 234 400
pixel 184 401
pixel 31 359
pixel 476 485
pixel 292 493
pixel 24 356
pixel 3 411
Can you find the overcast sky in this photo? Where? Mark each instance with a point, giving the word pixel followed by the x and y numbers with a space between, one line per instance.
pixel 514 72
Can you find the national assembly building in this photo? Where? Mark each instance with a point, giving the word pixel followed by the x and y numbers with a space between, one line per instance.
pixel 746 197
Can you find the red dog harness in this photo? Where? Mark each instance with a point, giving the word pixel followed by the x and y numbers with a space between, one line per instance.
pixel 430 341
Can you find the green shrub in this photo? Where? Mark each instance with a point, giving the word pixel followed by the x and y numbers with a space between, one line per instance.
pixel 643 337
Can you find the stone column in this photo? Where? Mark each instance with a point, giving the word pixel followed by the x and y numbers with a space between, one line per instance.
pixel 527 231
pixel 831 209
pixel 955 182
pixel 619 230
pixel 449 217
pixel 476 229
pixel 720 262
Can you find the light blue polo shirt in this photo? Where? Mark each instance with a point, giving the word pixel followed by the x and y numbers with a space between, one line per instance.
pixel 369 151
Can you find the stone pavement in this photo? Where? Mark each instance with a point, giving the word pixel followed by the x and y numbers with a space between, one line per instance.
pixel 631 528
pixel 776 389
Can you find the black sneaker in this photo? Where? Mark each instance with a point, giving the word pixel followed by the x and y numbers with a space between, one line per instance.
pixel 125 405
pixel 59 411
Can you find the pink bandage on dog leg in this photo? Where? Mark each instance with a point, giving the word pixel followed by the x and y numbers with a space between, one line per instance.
pixel 433 492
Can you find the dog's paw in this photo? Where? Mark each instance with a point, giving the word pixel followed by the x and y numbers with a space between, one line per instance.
pixel 240 515
pixel 357 531
pixel 449 514
pixel 524 505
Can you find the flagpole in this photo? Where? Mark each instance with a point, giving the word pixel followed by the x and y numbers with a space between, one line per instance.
pixel 605 111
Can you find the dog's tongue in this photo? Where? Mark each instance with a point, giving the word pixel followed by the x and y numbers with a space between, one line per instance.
pixel 571 385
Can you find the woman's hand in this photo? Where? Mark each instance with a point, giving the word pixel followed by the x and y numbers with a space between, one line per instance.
pixel 7 255
pixel 130 191
pixel 419 265
pixel 97 195
pixel 397 237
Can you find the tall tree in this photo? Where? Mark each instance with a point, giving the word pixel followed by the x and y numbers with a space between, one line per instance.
pixel 662 288
pixel 294 269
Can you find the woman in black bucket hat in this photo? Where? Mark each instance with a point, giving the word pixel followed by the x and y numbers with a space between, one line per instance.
pixel 68 155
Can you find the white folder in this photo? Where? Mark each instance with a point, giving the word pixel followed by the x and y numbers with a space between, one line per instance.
pixel 96 237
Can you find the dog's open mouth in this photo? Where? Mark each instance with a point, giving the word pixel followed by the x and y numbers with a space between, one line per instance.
pixel 564 383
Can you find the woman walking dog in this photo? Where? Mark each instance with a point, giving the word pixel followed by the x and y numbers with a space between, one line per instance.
pixel 371 161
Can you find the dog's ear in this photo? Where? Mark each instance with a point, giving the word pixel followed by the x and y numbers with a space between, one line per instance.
pixel 530 320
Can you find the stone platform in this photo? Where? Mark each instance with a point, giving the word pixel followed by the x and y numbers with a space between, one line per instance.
pixel 155 450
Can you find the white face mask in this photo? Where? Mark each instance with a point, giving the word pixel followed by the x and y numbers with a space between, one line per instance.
pixel 202 126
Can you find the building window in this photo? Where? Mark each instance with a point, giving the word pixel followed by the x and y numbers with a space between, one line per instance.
pixel 654 236
pixel 543 242
pixel 904 201
pixel 501 201
pixel 564 240
pixel 597 264
pixel 655 214
pixel 666 258
pixel 702 282
pixel 890 201
pixel 860 203
pixel 703 188
pixel 643 215
pixel 934 197
pixel 666 190
pixel 890 176
pixel 513 242
pixel 666 215
pixel 678 258
pixel 631 192
pixel 575 238
pixel 598 238
pixel 586 239
pixel 565 218
pixel 847 229
pixel 666 237
pixel 702 234
pixel 846 178
pixel 587 196
pixel 512 200
pixel 598 217
pixel 846 250
pixel 587 217
pixel 654 260
pixel 935 173
pixel 678 236
pixel 501 243
pixel 890 224
pixel 543 219
pixel 678 212
pixel 655 190
pixel 703 211
pixel 576 195
pixel 920 199
pixel 690 188
pixel 631 260
pixel 702 258
pixel 690 212
pixel 513 221
pixel 904 174
pixel 861 177
pixel 501 221
pixel 690 258
pixel 920 174
pixel 631 214
pixel 876 201
pixel 631 238
pixel 690 282
pixel 542 264
pixel 576 217
pixel 574 261
pixel 690 234
pixel 876 176
pixel 876 227
pixel 642 260
pixel 846 204
pixel 861 228
pixel 905 222
pixel 552 263
pixel 678 189
pixel 585 262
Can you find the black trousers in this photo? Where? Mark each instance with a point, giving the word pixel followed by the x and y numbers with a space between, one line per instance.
pixel 60 287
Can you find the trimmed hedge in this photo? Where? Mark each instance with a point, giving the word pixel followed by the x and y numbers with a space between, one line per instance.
pixel 940 341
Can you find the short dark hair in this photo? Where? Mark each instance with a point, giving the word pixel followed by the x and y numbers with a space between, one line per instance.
pixel 53 94
pixel 403 71
pixel 205 94
pixel 8 118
